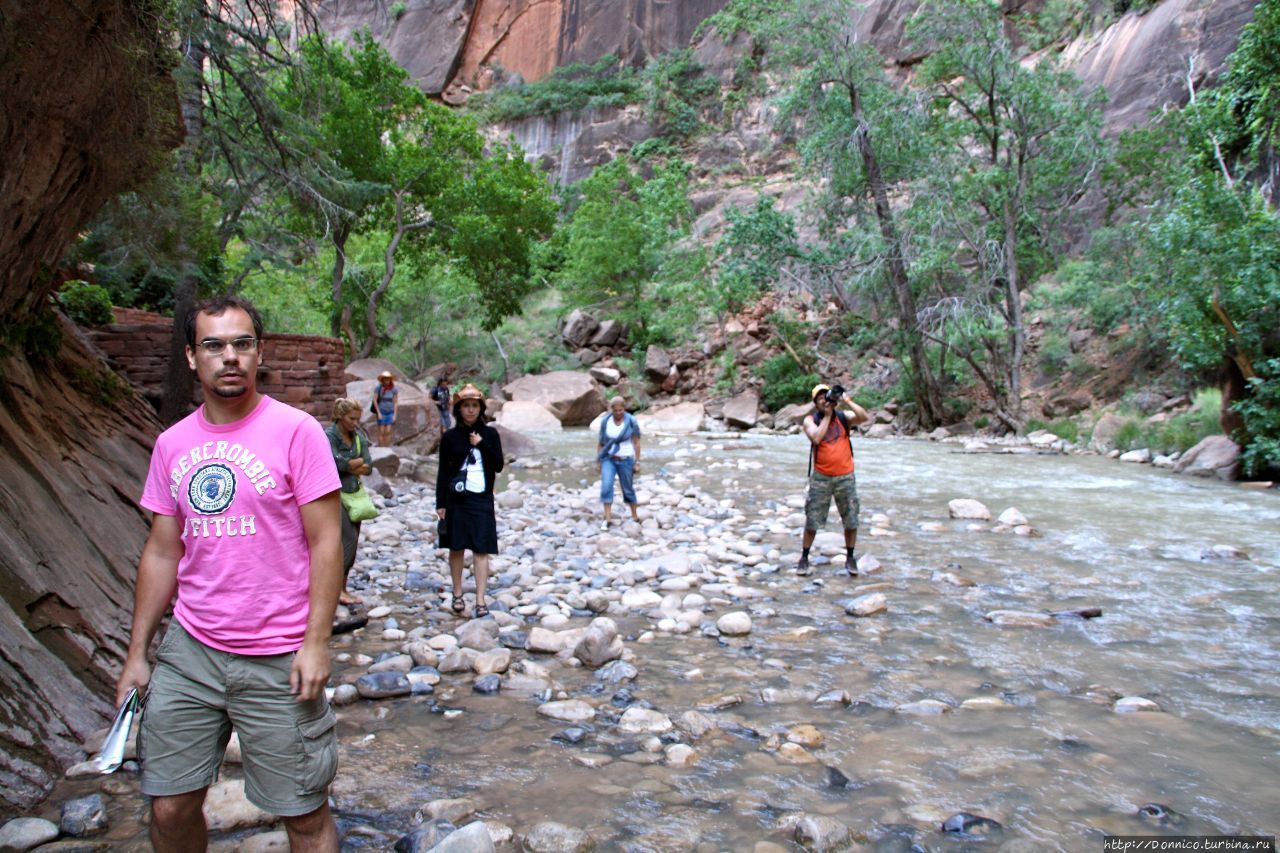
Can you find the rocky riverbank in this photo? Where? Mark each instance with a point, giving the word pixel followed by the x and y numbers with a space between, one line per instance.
pixel 679 662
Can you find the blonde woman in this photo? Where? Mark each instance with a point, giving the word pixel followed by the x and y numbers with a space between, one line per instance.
pixel 618 453
pixel 350 448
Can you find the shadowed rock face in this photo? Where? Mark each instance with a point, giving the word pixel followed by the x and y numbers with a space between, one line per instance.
pixel 88 105
pixel 76 445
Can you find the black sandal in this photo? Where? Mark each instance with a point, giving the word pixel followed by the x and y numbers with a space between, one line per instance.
pixel 480 612
pixel 459 604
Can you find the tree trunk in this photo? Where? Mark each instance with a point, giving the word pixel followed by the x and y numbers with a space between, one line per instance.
pixel 1013 301
pixel 175 400
pixel 924 384
pixel 388 273
pixel 340 234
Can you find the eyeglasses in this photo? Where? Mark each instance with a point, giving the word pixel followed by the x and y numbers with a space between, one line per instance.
pixel 216 346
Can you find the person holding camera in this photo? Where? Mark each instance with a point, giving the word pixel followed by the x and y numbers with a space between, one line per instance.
pixel 470 459
pixel 831 470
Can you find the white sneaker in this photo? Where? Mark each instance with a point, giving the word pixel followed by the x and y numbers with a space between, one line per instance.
pixel 604 525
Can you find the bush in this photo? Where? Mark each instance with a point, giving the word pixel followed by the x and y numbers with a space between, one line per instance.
pixel 784 382
pixel 1065 429
pixel 87 304
pixel 1261 413
pixel 1055 353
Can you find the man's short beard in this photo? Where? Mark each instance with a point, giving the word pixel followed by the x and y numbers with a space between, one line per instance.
pixel 233 391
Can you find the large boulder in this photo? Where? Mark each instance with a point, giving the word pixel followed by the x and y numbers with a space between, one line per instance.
pixel 579 328
pixel 516 445
pixel 682 417
pixel 573 397
pixel 657 364
pixel 1105 431
pixel 369 368
pixel 524 416
pixel 743 410
pixel 606 375
pixel 791 415
pixel 608 335
pixel 1214 456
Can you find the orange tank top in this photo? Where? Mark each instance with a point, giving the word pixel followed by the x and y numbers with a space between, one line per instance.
pixel 834 454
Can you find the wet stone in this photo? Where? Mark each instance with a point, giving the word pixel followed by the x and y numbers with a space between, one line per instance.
pixel 965 825
pixel 425 837
pixel 551 837
pixel 821 833
pixel 572 735
pixel 487 684
pixel 383 685
pixel 23 833
pixel 616 672
pixel 84 816
pixel 1157 814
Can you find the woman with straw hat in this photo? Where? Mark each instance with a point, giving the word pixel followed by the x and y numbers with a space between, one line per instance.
pixel 470 459
pixel 386 404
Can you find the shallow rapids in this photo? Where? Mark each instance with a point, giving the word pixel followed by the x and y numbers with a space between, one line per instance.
pixel 1043 753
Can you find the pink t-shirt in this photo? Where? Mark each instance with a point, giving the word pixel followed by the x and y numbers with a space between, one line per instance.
pixel 244 578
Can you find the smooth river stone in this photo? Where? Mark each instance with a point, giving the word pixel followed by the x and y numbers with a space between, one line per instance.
pixel 968 508
pixel 1012 517
pixel 794 753
pixel 1019 619
pixel 867 605
pixel 636 720
pixel 379 612
pixel 544 641
pixel 568 710
pixel 1135 705
pixel 395 663
pixel 23 833
pixel 734 624
pixel 925 707
pixel 806 735
pixel 550 837
pixel 681 755
pixel 84 816
pixel 818 832
pixel 986 703
pixel 383 685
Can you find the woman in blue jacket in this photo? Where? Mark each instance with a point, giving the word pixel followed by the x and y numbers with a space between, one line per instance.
pixel 618 452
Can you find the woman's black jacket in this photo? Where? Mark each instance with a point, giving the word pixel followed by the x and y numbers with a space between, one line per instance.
pixel 454 447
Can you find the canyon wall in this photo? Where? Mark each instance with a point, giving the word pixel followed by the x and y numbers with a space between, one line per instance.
pixel 87 104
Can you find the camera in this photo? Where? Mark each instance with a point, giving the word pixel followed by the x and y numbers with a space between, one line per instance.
pixel 835 394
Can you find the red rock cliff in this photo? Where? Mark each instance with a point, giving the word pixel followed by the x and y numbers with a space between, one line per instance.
pixel 450 46
pixel 86 104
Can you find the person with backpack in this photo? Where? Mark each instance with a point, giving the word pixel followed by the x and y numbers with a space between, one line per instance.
pixel 618 453
pixel 386 405
pixel 831 470
pixel 440 394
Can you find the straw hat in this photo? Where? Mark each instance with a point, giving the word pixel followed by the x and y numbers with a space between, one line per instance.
pixel 469 392
pixel 386 374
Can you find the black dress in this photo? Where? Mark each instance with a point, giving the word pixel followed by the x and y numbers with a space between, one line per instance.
pixel 470 517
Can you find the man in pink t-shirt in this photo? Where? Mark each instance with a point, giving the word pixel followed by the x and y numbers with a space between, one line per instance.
pixel 245 531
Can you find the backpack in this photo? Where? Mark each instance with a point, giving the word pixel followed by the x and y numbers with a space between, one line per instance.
pixel 848 433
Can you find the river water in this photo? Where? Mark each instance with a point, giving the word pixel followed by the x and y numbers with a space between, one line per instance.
pixel 1055 765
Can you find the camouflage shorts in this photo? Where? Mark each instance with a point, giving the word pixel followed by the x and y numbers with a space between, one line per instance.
pixel 817 502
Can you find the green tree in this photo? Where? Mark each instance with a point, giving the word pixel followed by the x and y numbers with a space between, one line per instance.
pixel 618 240
pixel 419 176
pixel 863 136
pixel 1016 148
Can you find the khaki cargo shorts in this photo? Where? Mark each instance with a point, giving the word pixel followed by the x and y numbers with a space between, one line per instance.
pixel 198 695
pixel 817 501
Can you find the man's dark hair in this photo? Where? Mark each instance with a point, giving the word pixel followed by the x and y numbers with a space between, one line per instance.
pixel 219 305
pixel 441 380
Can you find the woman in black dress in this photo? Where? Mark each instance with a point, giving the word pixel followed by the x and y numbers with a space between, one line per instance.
pixel 470 459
